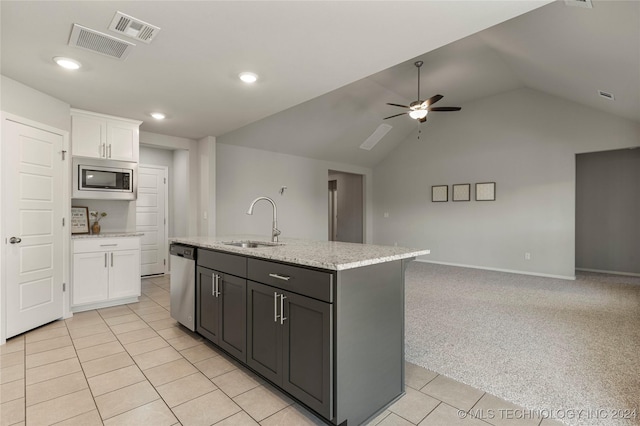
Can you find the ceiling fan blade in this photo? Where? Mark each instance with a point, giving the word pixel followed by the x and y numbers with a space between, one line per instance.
pixel 398 105
pixel 444 109
pixel 432 100
pixel 396 115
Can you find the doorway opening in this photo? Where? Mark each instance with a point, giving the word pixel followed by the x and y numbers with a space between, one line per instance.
pixel 346 207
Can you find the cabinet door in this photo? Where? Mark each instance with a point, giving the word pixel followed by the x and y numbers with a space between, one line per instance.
pixel 122 141
pixel 308 352
pixel 207 308
pixel 124 274
pixel 90 277
pixel 233 315
pixel 264 333
pixel 88 136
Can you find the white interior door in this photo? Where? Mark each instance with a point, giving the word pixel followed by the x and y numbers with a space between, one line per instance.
pixel 32 213
pixel 151 218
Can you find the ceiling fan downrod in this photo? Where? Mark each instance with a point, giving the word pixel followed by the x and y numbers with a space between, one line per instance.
pixel 418 64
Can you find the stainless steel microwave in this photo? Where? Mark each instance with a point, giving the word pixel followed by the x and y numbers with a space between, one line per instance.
pixel 104 179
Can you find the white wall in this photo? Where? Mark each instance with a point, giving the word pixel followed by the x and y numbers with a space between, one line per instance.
pixel 245 173
pixel 525 141
pixel 26 102
pixel 207 158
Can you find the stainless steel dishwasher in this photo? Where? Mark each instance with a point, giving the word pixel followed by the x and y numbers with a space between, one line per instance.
pixel 183 284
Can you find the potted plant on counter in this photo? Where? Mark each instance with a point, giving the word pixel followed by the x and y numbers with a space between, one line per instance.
pixel 96 216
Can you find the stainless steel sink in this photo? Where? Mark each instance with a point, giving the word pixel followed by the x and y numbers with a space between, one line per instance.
pixel 251 244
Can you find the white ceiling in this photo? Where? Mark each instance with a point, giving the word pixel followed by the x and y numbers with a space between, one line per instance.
pixel 300 49
pixel 566 51
pixel 327 67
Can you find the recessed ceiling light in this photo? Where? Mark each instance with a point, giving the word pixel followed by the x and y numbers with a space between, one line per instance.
pixel 248 77
pixel 67 63
pixel 158 115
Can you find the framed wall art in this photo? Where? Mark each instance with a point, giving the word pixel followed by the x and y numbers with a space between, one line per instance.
pixel 486 191
pixel 79 220
pixel 440 193
pixel 461 192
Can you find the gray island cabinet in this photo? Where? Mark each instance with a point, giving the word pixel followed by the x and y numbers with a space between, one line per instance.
pixel 322 321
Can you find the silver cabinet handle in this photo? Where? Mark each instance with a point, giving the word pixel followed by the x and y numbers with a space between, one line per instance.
pixel 112 260
pixel 104 150
pixel 15 240
pixel 282 317
pixel 280 277
pixel 275 306
pixel 108 245
pixel 216 285
pixel 105 260
pixel 109 150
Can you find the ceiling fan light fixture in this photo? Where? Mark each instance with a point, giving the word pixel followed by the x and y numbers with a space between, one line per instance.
pixel 418 114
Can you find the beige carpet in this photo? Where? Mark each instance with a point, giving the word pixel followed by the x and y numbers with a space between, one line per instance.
pixel 542 343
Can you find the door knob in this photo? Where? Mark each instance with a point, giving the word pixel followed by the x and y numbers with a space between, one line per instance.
pixel 15 240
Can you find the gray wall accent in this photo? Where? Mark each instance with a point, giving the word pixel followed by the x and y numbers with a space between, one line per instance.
pixel 525 141
pixel 162 157
pixel 350 206
pixel 608 211
pixel 186 181
pixel 243 174
pixel 29 103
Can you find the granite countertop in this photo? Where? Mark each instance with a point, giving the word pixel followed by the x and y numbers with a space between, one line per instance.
pixel 107 235
pixel 320 254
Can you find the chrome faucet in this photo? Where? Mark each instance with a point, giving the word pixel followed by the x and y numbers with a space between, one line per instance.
pixel 275 231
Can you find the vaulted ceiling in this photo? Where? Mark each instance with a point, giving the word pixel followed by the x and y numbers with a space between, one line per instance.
pixel 327 68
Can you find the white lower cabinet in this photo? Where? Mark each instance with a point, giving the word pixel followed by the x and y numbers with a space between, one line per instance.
pixel 106 272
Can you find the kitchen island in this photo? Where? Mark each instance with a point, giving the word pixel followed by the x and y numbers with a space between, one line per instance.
pixel 323 321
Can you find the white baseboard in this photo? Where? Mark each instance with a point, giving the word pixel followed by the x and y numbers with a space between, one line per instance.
pixel 600 271
pixel 510 271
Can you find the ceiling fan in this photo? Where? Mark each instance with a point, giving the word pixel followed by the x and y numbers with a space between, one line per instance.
pixel 419 109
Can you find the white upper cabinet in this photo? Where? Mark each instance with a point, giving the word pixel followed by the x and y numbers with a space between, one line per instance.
pixel 103 136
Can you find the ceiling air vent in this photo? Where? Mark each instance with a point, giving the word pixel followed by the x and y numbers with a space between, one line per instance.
pixel 579 3
pixel 134 28
pixel 606 95
pixel 95 41
pixel 376 136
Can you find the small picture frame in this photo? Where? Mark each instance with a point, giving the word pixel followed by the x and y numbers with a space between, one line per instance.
pixel 440 193
pixel 486 191
pixel 79 220
pixel 461 192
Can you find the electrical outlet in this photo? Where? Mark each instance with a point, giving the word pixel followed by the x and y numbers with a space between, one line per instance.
pixel 386 214
pixel 527 256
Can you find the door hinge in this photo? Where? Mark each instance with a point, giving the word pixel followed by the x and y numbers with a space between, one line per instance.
pixel 165 180
pixel 63 221
pixel 164 261
pixel 165 220
pixel 64 153
pixel 64 287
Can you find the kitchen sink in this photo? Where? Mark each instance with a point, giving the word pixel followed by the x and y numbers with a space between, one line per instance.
pixel 251 244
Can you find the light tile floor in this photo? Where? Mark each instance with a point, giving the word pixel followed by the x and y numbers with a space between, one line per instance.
pixel 133 365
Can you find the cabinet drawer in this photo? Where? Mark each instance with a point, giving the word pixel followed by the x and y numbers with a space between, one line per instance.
pixel 89 245
pixel 308 282
pixel 223 262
